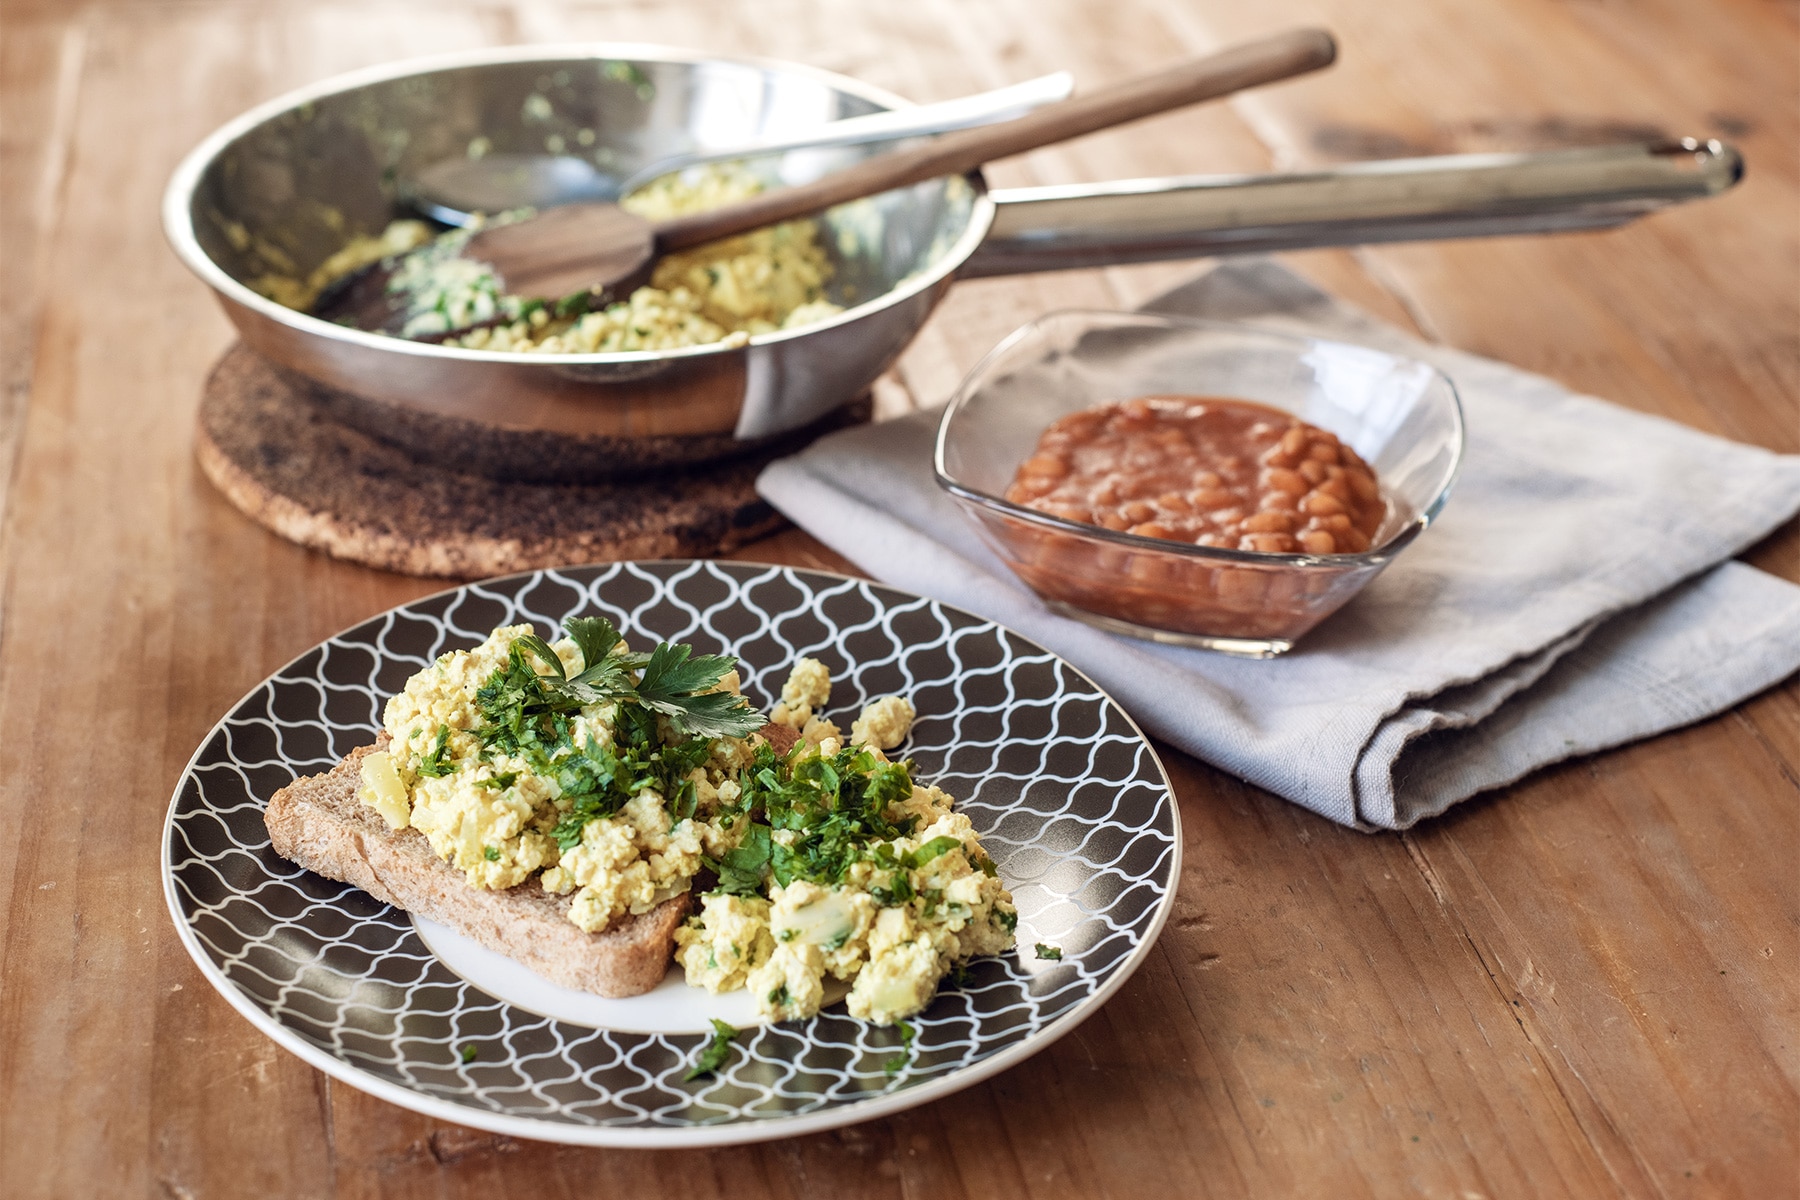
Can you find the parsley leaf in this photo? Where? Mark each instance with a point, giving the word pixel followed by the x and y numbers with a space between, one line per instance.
pixel 541 650
pixel 1051 953
pixel 675 683
pixel 603 674
pixel 741 869
pixel 899 891
pixel 433 763
pixel 898 1062
pixel 522 712
pixel 713 1055
pixel 935 848
pixel 595 637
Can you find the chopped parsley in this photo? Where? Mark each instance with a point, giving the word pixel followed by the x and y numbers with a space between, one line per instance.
pixel 898 891
pixel 599 780
pixel 836 810
pixel 712 1056
pixel 740 870
pixel 833 811
pixel 897 1063
pixel 935 848
pixel 1051 953
pixel 528 715
pixel 433 763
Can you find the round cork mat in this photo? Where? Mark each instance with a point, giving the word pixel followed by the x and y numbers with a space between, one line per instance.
pixel 280 455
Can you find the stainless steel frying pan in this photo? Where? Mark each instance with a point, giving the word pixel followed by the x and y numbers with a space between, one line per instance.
pixel 286 184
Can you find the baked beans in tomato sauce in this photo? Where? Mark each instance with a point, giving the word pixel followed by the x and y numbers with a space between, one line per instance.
pixel 1207 471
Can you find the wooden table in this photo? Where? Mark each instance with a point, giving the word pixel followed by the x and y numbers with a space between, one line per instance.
pixel 1583 985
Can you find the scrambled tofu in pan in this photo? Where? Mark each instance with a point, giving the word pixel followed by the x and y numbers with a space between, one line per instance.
pixel 725 291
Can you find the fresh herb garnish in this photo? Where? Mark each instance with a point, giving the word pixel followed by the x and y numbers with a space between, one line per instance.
pixel 898 891
pixel 500 782
pixel 835 808
pixel 522 713
pixel 599 780
pixel 897 1063
pixel 433 763
pixel 603 674
pixel 575 304
pixel 1006 920
pixel 675 681
pixel 740 869
pixel 528 714
pixel 935 848
pixel 713 1055
pixel 1051 953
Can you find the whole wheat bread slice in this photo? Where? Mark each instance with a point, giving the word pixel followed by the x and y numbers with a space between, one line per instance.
pixel 319 823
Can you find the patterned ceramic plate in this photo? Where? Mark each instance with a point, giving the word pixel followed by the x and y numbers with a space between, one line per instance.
pixel 1066 793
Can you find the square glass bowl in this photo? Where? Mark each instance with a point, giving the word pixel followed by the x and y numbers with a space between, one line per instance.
pixel 1401 415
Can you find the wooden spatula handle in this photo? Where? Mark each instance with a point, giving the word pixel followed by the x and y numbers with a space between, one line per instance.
pixel 1262 61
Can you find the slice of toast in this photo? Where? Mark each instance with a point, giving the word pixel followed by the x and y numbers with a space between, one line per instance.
pixel 319 823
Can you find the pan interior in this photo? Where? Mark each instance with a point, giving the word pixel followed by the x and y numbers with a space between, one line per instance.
pixel 295 188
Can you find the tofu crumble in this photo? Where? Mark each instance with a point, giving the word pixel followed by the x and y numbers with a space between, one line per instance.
pixel 623 781
pixel 723 292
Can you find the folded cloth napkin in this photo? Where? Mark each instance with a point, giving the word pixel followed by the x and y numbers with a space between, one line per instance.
pixel 1572 596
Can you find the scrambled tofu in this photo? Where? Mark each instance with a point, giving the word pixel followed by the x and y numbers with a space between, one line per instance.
pixel 808 687
pixel 504 806
pixel 883 724
pixel 890 899
pixel 617 782
pixel 725 291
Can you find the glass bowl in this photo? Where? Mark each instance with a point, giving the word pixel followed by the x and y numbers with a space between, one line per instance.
pixel 1401 415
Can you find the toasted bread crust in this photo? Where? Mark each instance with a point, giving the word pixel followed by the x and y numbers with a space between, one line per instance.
pixel 319 823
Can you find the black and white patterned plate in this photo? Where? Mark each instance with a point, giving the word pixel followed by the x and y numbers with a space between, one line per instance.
pixel 1066 793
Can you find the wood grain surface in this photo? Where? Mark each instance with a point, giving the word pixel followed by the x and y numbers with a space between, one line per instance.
pixel 1583 985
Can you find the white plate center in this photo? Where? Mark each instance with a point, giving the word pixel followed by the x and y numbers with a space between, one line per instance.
pixel 670 1007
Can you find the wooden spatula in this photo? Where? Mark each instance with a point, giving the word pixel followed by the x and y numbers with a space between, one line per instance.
pixel 601 247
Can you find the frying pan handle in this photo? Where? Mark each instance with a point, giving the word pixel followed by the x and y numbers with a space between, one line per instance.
pixel 1263 60
pixel 1413 199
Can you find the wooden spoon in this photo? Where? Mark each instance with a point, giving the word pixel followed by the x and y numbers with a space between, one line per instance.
pixel 601 247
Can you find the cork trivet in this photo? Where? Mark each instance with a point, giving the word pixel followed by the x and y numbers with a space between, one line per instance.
pixel 289 465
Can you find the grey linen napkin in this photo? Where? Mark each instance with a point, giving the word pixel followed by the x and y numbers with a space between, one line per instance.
pixel 1573 595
